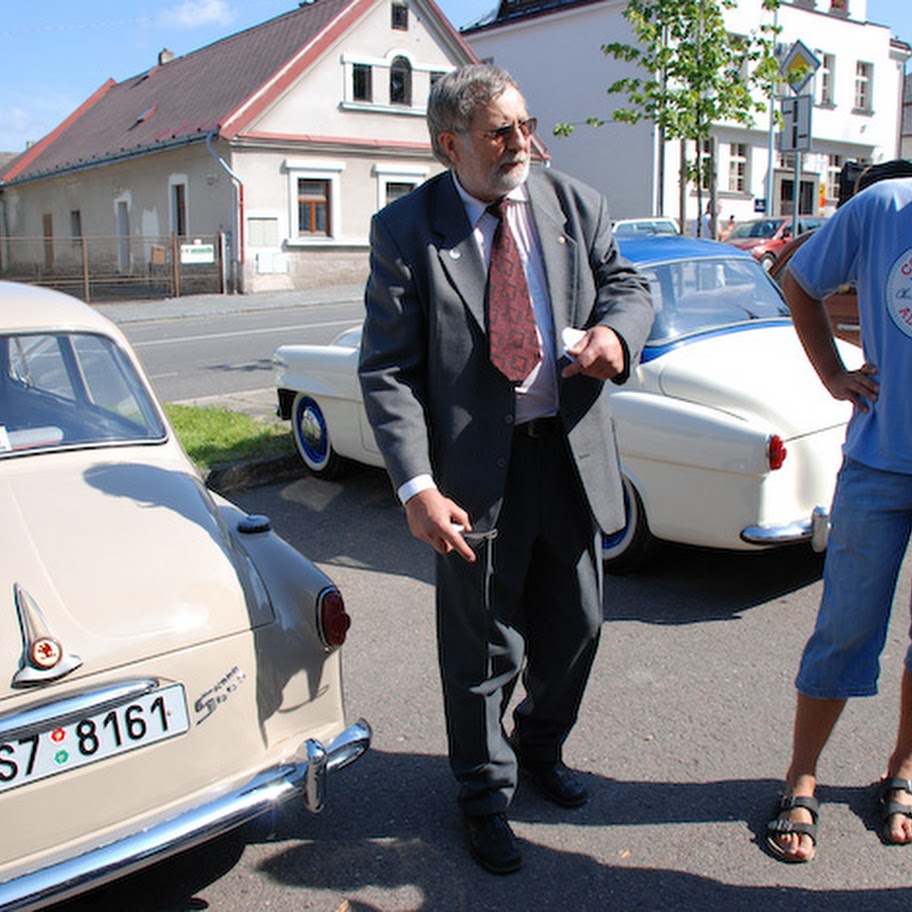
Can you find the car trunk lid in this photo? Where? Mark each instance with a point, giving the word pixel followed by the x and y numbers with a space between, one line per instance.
pixel 119 561
pixel 732 371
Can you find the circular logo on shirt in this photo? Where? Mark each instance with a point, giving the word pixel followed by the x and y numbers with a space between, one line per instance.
pixel 899 292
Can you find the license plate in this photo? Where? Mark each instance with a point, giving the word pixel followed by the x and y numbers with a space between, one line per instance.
pixel 137 722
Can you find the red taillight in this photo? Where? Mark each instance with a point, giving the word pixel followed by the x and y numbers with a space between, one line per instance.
pixel 332 618
pixel 776 452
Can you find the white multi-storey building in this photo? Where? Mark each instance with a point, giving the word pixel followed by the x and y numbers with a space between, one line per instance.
pixel 553 48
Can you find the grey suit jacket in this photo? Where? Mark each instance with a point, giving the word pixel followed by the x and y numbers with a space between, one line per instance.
pixel 436 403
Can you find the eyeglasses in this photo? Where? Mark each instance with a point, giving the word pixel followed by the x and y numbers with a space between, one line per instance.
pixel 502 134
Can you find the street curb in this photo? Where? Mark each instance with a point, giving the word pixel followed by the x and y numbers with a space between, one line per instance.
pixel 239 476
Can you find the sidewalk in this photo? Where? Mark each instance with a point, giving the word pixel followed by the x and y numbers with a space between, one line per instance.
pixel 209 305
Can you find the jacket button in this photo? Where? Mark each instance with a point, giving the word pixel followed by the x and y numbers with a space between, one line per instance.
pixel 501 463
pixel 508 419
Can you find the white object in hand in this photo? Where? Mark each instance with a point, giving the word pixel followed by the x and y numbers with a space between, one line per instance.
pixel 569 338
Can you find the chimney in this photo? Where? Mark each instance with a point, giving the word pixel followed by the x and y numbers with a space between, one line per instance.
pixel 165 56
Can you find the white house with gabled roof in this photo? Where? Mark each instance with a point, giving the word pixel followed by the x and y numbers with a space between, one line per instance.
pixel 284 139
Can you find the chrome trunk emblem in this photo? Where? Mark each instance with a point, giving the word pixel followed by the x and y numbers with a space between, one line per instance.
pixel 43 656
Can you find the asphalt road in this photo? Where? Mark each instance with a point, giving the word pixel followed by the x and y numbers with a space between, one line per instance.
pixel 683 738
pixel 221 345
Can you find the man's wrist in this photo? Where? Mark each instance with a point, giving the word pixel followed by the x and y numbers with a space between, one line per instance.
pixel 414 486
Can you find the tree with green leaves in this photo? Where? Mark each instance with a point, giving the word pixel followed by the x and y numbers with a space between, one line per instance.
pixel 697 74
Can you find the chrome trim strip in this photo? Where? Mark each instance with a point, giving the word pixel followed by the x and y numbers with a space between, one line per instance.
pixel 60 712
pixel 33 891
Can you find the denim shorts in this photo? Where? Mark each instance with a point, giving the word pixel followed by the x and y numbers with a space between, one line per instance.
pixel 871 522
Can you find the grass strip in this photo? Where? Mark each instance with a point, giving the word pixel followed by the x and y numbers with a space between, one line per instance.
pixel 213 435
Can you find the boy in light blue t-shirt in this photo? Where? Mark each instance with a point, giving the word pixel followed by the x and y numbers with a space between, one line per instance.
pixel 867 243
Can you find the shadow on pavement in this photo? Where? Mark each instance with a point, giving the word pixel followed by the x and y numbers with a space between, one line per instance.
pixel 403 850
pixel 685 585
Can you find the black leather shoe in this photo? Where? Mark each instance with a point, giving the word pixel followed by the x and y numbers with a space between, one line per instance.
pixel 559 784
pixel 492 843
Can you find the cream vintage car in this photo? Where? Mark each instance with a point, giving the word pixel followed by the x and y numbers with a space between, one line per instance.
pixel 727 438
pixel 171 668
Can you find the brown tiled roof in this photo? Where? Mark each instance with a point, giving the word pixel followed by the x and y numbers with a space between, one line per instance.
pixel 219 87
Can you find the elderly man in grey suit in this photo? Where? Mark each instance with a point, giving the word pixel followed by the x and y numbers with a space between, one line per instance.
pixel 487 397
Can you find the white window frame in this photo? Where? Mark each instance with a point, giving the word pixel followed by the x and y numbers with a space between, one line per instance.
pixel 380 79
pixel 396 174
pixel 741 158
pixel 301 169
pixel 826 80
pixel 178 180
pixel 864 87
pixel 401 6
pixel 353 66
pixel 835 163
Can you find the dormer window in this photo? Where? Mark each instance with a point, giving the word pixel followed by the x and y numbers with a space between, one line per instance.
pixel 400 17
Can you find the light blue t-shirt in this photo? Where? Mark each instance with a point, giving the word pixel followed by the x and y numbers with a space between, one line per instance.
pixel 868 243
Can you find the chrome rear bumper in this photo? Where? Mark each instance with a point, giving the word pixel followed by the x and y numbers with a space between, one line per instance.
pixel 816 530
pixel 305 776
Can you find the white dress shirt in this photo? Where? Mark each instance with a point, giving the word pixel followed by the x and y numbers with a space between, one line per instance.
pixel 536 396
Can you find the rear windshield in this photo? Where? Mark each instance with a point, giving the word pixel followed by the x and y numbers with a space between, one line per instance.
pixel 702 295
pixel 59 390
pixel 765 228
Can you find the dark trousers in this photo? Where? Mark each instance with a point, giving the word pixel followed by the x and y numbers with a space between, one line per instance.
pixel 531 604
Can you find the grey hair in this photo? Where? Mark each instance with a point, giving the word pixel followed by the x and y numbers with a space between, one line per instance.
pixel 456 96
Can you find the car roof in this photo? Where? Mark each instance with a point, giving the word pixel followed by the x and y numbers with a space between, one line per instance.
pixel 645 220
pixel 660 248
pixel 31 308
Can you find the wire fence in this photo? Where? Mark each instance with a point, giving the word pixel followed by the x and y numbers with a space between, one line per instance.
pixel 113 267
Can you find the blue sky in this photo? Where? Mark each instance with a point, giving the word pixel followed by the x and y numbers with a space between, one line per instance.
pixel 57 52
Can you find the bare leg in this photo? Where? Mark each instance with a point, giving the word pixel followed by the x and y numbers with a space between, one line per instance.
pixel 898 828
pixel 814 721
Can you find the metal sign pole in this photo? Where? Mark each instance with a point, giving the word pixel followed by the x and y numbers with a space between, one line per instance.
pixel 798 68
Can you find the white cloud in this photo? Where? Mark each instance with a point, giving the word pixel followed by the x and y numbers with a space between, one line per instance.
pixel 15 118
pixel 195 13
pixel 18 126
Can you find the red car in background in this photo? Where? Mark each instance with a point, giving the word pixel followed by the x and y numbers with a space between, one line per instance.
pixel 765 238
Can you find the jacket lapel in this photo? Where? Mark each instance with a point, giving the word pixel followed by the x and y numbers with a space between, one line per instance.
pixel 558 249
pixel 457 250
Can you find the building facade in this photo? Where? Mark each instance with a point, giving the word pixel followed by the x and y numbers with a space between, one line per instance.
pixel 856 105
pixel 282 140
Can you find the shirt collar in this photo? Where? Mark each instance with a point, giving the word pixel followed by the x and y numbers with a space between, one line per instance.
pixel 475 208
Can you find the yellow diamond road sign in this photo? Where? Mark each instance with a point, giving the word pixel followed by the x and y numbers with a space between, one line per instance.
pixel 799 66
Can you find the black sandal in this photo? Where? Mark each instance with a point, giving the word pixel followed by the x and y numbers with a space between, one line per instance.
pixel 889 807
pixel 781 825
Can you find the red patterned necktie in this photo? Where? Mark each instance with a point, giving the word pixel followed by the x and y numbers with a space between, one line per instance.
pixel 511 324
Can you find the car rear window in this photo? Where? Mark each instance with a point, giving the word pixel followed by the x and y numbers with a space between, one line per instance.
pixel 701 295
pixel 59 390
pixel 762 228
